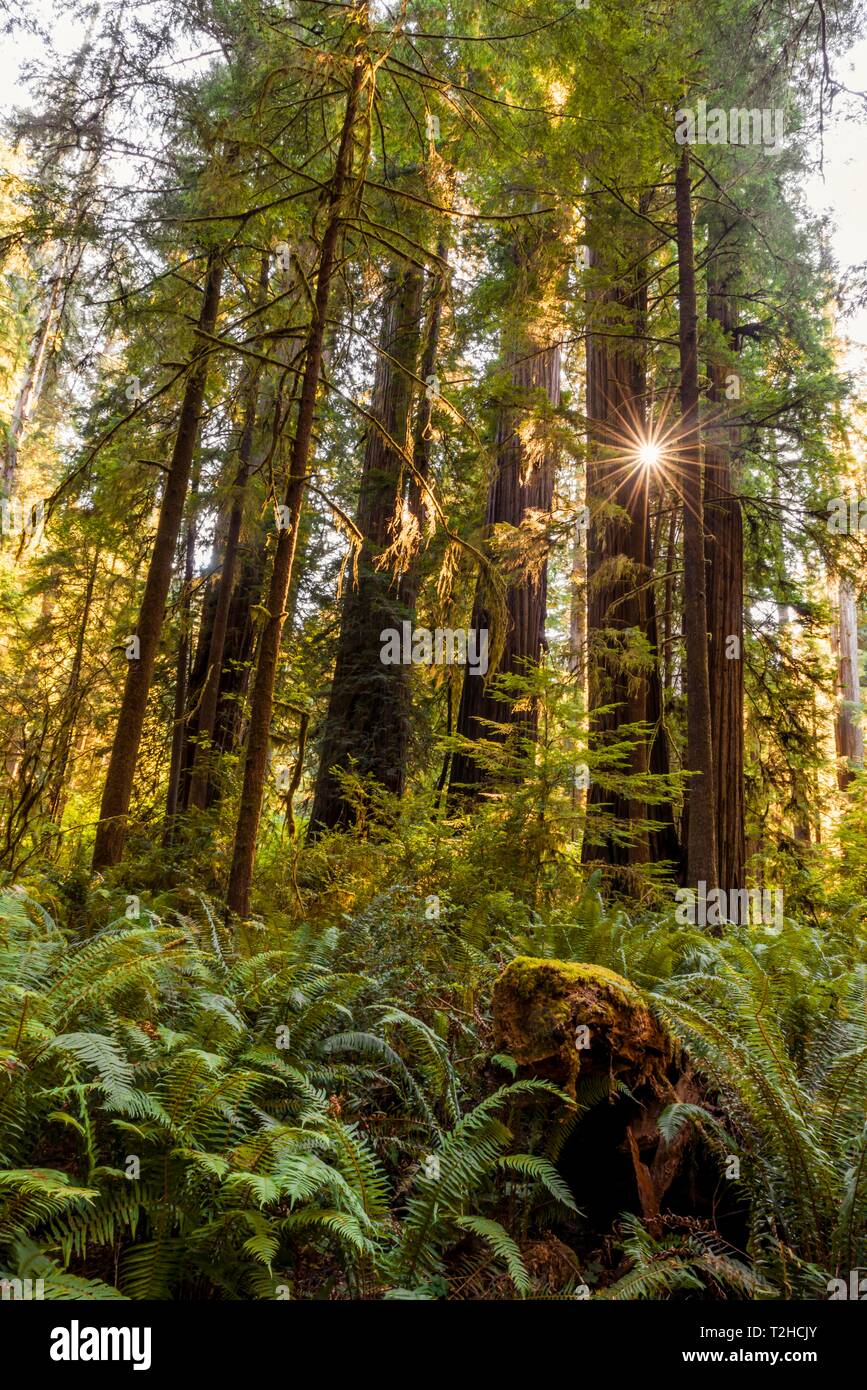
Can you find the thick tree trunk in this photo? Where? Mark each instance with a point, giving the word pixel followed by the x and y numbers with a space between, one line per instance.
pixel 618 551
pixel 724 550
pixel 847 720
pixel 367 724
pixel 111 831
pixel 421 439
pixel 620 596
pixel 701 856
pixel 253 790
pixel 521 491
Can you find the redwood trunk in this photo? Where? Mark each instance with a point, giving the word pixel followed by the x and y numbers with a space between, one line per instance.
pixel 111 831
pixel 367 724
pixel 847 722
pixel 620 595
pixel 724 549
pixel 182 677
pixel 207 711
pixel 618 555
pixel 421 441
pixel 520 486
pixel 701 853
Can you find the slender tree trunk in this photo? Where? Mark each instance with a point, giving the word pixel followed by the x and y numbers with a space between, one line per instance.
pixel 724 550
pixel 367 724
pixel 701 855
pixel 207 710
pixel 111 831
pixel 239 652
pixel 37 361
pixel 253 790
pixel 199 664
pixel 82 177
pixel 578 597
pixel 182 676
pixel 847 721
pixel 56 800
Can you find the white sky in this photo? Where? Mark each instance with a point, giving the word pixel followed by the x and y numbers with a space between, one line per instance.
pixel 843 191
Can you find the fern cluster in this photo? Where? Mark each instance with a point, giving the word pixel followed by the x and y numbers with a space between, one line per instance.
pixel 186 1119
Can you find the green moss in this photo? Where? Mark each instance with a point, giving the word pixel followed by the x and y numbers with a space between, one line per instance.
pixel 535 972
pixel 539 1004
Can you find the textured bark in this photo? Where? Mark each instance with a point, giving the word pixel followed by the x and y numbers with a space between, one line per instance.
pixel 238 651
pixel 701 854
pixel 522 485
pixel 578 602
pixel 618 553
pixel 256 761
pixel 199 664
pixel 207 707
pixel 620 595
pixel 182 678
pixel 421 439
pixel 724 550
pixel 111 830
pixel 847 721
pixel 367 724
pixel 244 574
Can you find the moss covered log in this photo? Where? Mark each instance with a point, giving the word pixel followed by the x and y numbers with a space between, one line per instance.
pixel 561 1019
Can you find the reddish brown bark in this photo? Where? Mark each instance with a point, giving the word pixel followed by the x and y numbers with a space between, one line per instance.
pixel 847 721
pixel 724 549
pixel 522 487
pixel 256 761
pixel 621 604
pixel 701 851
pixel 111 830
pixel 203 732
pixel 618 549
pixel 421 439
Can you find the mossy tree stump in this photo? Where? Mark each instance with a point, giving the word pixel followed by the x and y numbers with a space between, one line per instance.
pixel 561 1019
pixel 564 1020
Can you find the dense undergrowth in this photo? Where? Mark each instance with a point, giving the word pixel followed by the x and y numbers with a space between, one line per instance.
pixel 313 1106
